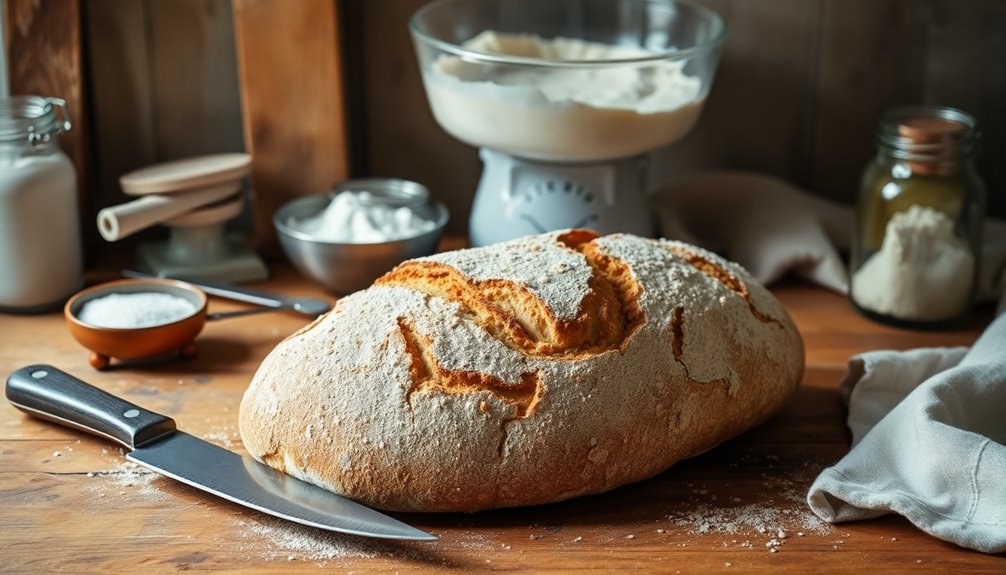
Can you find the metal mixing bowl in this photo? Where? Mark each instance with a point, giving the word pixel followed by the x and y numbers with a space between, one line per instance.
pixel 347 267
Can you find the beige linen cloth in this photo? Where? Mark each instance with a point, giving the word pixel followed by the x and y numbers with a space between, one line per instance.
pixel 928 425
pixel 771 228
pixel 928 442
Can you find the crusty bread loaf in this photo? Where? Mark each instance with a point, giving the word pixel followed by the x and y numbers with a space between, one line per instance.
pixel 521 373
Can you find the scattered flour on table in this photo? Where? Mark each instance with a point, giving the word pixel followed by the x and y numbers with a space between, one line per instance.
pixel 763 518
pixel 127 479
pixel 476 540
pixel 276 539
pixel 780 510
pixel 222 438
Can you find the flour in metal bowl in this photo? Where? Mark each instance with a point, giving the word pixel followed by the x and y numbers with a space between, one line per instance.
pixel 358 217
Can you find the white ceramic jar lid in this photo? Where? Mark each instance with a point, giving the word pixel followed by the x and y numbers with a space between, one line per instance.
pixel 185 175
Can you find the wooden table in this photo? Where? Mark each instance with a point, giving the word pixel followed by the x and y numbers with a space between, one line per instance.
pixel 69 503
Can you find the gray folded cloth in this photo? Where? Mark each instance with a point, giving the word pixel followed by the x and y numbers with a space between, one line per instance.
pixel 771 228
pixel 929 442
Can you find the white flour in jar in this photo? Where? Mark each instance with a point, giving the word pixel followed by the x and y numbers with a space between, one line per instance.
pixel 922 271
pixel 359 218
pixel 40 256
pixel 563 113
pixel 132 310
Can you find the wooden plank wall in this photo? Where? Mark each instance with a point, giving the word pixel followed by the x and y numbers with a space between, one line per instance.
pixel 163 85
pixel 798 89
pixel 292 93
pixel 799 86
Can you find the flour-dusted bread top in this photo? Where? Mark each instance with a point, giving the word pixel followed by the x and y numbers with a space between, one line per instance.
pixel 521 373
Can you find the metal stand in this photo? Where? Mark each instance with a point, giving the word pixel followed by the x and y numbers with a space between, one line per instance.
pixel 202 252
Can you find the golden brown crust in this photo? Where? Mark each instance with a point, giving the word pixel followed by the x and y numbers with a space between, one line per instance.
pixel 607 316
pixel 523 373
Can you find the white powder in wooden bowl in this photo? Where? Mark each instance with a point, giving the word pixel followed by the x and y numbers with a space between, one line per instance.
pixel 132 310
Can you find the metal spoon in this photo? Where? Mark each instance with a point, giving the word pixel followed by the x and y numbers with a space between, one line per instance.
pixel 308 306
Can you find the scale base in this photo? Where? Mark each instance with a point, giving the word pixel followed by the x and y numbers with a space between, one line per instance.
pixel 237 262
pixel 519 197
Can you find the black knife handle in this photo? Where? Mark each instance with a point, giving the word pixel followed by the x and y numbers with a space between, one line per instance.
pixel 57 396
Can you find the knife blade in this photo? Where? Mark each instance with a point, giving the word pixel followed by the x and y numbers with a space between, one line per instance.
pixel 154 442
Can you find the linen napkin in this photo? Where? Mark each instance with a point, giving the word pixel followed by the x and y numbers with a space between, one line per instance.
pixel 929 442
pixel 771 228
pixel 761 222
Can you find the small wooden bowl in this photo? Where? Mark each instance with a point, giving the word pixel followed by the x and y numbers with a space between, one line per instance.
pixel 141 342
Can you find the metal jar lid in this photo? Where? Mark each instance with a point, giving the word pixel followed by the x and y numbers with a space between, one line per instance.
pixel 32 119
pixel 928 133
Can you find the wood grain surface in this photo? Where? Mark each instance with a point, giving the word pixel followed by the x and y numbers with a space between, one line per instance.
pixel 290 70
pixel 70 503
pixel 197 107
pixel 122 95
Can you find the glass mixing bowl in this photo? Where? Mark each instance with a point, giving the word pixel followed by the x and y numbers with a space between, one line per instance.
pixel 567 80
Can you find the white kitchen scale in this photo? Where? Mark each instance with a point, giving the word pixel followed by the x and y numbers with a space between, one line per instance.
pixel 565 100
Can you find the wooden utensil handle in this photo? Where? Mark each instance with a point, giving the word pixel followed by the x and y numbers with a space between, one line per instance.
pixel 54 395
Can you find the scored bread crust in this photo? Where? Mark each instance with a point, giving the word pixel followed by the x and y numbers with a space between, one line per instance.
pixel 522 373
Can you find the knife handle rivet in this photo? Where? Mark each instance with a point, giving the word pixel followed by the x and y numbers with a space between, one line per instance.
pixel 39 374
pixel 131 413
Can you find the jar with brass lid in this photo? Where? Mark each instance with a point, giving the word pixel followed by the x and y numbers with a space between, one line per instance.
pixel 917 242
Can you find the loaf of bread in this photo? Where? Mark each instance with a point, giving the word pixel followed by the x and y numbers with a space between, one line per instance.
pixel 526 372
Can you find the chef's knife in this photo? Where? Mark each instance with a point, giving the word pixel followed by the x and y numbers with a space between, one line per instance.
pixel 153 441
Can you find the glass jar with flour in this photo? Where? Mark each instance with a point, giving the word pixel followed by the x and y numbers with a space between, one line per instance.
pixel 917 243
pixel 40 251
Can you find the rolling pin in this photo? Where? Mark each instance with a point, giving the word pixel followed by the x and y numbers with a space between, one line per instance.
pixel 117 222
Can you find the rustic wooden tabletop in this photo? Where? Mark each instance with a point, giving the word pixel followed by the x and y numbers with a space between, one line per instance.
pixel 69 503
